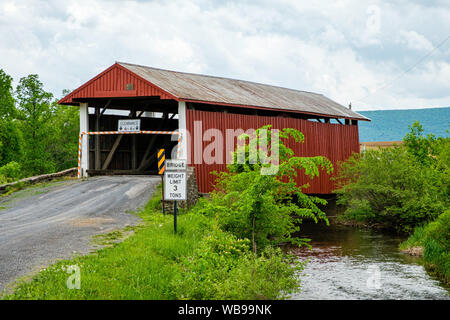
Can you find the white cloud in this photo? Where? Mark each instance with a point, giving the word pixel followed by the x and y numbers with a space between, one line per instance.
pixel 346 50
pixel 415 41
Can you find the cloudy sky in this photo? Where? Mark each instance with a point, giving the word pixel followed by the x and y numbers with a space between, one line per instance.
pixel 375 54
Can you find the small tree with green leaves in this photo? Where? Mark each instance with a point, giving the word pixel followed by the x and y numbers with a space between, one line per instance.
pixel 266 208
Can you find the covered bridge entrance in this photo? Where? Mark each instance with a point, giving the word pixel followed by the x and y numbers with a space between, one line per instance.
pixel 199 108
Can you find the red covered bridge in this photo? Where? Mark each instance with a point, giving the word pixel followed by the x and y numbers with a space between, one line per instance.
pixel 166 101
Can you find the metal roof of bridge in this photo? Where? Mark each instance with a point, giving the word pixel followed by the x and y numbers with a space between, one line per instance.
pixel 199 88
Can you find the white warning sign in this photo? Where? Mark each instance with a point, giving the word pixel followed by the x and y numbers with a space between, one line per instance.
pixel 129 125
pixel 174 185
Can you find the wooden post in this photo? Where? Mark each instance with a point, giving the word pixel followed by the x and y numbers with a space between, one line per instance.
pixel 133 152
pixel 97 139
pixel 84 127
pixel 182 128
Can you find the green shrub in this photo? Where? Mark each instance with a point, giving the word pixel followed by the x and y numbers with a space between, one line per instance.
pixel 401 187
pixel 435 239
pixel 11 171
pixel 223 267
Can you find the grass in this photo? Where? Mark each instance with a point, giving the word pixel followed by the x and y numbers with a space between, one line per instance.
pixel 434 238
pixel 140 267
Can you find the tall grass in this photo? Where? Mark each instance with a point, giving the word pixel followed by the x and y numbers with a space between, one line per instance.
pixel 435 240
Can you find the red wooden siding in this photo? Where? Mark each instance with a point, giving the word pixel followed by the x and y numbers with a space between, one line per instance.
pixel 334 141
pixel 112 83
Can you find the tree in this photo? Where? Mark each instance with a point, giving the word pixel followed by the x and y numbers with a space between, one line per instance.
pixel 422 147
pixel 10 136
pixel 34 111
pixel 63 142
pixel 7 109
pixel 266 208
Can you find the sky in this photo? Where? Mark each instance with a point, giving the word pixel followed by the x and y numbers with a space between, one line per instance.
pixel 373 54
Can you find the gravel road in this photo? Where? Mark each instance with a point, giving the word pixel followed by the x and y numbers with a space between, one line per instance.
pixel 39 225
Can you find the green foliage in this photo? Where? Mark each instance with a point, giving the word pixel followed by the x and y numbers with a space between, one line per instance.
pixel 34 112
pixel 267 209
pixel 62 145
pixel 11 171
pixel 223 267
pixel 435 239
pixel 400 188
pixel 419 146
pixel 11 142
pixel 7 109
pixel 41 136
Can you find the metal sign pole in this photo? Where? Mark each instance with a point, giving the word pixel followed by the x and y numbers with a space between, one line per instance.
pixel 175 209
pixel 162 196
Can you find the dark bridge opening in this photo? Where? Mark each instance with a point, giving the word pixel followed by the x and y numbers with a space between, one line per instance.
pixel 111 154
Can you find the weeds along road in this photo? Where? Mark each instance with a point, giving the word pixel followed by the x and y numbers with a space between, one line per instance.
pixel 39 225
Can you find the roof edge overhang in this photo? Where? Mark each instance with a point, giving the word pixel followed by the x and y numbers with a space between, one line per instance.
pixel 362 118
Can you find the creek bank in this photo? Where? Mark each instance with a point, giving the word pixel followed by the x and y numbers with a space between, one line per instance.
pixel 414 251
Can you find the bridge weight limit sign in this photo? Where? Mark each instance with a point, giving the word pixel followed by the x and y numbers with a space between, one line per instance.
pixel 175 184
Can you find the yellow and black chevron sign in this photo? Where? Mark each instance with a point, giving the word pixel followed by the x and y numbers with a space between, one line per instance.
pixel 161 161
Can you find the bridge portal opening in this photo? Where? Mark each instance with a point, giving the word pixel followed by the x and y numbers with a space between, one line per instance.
pixel 110 153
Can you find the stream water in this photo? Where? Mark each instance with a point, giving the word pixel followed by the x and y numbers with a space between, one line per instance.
pixel 351 263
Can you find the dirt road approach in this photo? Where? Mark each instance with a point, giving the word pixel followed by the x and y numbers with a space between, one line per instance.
pixel 39 225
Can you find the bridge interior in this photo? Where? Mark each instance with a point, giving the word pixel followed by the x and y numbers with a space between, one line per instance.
pixel 128 153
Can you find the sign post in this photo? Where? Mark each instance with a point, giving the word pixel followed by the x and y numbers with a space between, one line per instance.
pixel 175 185
pixel 161 169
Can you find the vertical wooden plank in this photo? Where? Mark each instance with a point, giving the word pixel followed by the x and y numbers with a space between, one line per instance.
pixel 97 139
pixel 133 152
pixel 84 127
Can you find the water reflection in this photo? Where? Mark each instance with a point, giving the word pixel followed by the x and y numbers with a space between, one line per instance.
pixel 350 263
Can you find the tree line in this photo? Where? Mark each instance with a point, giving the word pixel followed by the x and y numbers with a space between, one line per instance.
pixel 37 135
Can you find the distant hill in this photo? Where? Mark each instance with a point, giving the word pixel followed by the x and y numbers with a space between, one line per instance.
pixel 392 125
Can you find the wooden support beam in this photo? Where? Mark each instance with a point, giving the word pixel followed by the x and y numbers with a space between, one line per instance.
pixel 105 107
pixel 339 121
pixel 140 114
pixel 111 153
pixel 97 140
